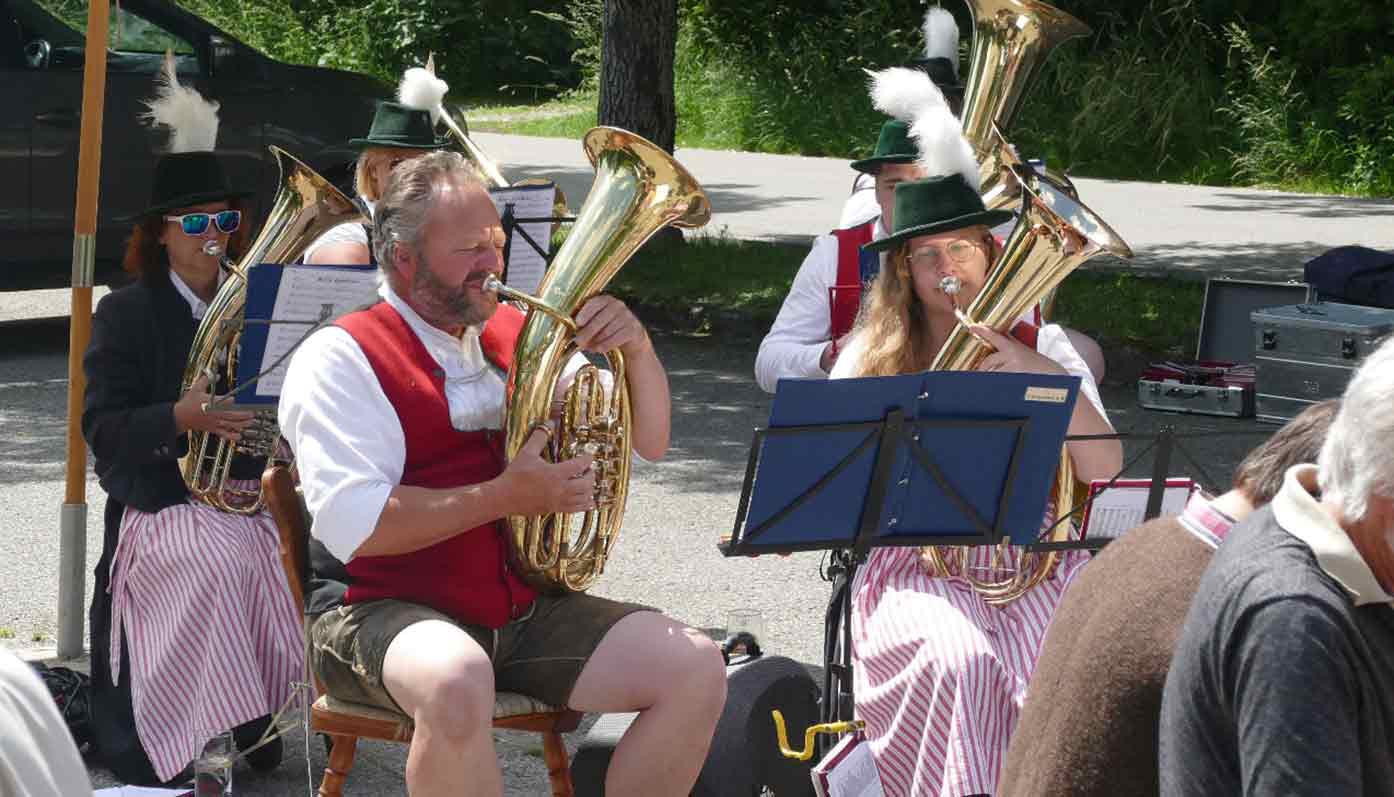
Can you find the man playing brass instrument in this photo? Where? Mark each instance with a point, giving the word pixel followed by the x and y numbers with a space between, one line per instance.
pixel 395 416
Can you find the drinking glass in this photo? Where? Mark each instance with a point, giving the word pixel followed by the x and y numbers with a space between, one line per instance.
pixel 213 767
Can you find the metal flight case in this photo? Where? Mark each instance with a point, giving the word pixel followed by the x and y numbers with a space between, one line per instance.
pixel 1305 353
pixel 1220 381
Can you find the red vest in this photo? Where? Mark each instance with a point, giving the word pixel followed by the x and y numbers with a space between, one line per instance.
pixel 467 576
pixel 845 296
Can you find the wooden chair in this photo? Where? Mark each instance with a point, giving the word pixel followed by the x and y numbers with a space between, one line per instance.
pixel 345 722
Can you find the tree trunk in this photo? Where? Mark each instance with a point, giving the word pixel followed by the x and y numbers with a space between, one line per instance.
pixel 636 68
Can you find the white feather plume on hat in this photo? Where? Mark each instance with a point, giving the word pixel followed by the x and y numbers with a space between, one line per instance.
pixel 191 119
pixel 941 36
pixel 905 94
pixel 943 149
pixel 421 90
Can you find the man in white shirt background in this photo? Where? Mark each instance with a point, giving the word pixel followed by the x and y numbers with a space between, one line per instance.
pixel 395 416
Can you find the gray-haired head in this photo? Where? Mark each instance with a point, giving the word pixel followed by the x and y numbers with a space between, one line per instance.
pixel 1357 461
pixel 405 207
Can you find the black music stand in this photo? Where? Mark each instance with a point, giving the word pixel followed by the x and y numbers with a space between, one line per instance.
pixel 842 468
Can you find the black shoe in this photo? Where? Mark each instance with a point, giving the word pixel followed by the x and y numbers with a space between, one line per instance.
pixel 266 757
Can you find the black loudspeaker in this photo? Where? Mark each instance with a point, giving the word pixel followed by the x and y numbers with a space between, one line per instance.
pixel 744 756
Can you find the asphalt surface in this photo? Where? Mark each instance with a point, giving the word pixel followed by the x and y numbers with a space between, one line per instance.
pixel 666 556
pixel 1192 232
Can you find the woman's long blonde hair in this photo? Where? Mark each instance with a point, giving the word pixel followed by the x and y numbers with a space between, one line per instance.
pixel 892 323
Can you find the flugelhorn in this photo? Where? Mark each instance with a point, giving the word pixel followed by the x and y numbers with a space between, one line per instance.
pixel 638 190
pixel 305 207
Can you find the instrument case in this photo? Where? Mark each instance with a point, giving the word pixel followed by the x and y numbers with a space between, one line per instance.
pixel 1220 381
pixel 1305 353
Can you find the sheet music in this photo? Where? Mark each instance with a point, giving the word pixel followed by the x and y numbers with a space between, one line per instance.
pixel 525 264
pixel 1122 507
pixel 848 771
pixel 310 293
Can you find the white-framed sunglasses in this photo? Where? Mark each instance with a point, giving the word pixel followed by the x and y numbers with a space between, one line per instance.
pixel 227 221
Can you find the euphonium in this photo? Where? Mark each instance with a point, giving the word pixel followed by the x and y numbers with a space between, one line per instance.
pixel 1011 41
pixel 638 190
pixel 1056 233
pixel 305 207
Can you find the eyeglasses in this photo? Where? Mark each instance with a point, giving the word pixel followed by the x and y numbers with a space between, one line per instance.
pixel 959 251
pixel 197 223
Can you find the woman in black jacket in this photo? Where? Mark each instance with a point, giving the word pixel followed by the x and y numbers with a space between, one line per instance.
pixel 193 626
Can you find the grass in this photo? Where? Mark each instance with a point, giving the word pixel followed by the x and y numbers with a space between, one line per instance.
pixel 716 283
pixel 6 633
pixel 710 280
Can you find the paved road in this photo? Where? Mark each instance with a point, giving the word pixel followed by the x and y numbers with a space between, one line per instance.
pixel 1190 230
pixel 666 557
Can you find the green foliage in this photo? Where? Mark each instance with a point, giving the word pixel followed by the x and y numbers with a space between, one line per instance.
pixel 485 49
pixel 1155 314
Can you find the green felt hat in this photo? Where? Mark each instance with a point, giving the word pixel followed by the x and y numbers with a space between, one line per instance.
pixel 396 125
pixel 935 205
pixel 894 146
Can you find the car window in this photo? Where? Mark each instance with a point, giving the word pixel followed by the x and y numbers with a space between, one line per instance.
pixel 134 42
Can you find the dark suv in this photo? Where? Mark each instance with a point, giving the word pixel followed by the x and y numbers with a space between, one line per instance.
pixel 309 112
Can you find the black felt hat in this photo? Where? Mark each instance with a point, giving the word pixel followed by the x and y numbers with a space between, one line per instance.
pixel 935 205
pixel 894 145
pixel 188 178
pixel 396 125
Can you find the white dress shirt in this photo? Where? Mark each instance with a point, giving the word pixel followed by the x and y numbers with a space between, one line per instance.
pixel 197 306
pixel 347 233
pixel 861 206
pixel 348 441
pixel 795 342
pixel 1050 341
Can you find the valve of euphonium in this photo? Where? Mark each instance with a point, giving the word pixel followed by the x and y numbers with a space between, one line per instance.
pixel 638 190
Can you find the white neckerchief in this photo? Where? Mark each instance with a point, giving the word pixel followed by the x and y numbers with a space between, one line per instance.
pixel 474 388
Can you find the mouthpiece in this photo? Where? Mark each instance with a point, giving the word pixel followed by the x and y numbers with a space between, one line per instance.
pixel 212 248
pixel 492 284
pixel 950 285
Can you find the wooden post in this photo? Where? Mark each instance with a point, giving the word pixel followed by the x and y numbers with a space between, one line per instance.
pixel 72 545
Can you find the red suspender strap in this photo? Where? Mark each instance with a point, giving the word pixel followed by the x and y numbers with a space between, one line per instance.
pixel 846 292
pixel 1026 333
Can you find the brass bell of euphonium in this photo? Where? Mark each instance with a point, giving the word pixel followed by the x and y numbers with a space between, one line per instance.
pixel 638 190
pixel 305 207
pixel 1011 41
pixel 1055 235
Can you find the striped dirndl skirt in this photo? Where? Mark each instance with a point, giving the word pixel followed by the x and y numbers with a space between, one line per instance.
pixel 212 632
pixel 939 676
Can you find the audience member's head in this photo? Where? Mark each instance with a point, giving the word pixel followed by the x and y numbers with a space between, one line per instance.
pixel 1260 475
pixel 1356 467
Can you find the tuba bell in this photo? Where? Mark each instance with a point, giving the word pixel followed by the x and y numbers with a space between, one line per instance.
pixel 1055 235
pixel 1011 41
pixel 305 207
pixel 638 190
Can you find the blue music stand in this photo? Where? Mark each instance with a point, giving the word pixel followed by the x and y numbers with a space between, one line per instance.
pixel 934 458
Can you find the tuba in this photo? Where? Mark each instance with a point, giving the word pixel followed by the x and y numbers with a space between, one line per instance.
pixel 638 190
pixel 1054 236
pixel 1011 41
pixel 305 207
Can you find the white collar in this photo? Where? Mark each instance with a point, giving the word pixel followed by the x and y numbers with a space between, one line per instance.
pixel 878 231
pixel 197 306
pixel 1300 515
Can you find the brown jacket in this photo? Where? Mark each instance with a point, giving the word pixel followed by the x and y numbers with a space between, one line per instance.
pixel 1089 724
